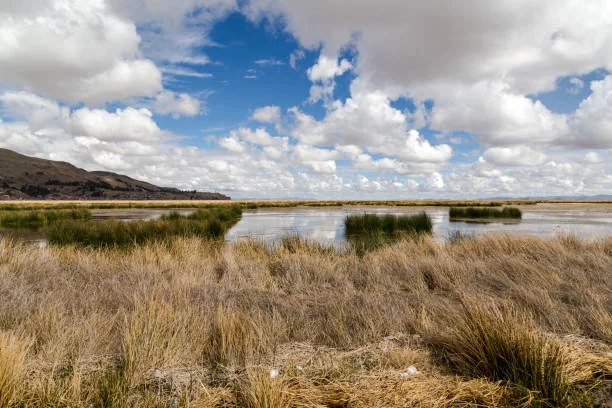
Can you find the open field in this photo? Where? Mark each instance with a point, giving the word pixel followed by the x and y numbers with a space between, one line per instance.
pixel 252 204
pixel 495 321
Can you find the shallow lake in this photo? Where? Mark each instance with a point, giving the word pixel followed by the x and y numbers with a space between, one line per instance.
pixel 326 224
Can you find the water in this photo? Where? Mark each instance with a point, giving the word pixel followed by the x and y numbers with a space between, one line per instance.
pixel 326 224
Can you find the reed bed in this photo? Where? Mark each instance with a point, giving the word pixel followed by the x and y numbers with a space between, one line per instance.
pixel 37 219
pixel 484 212
pixel 203 223
pixel 186 322
pixel 366 232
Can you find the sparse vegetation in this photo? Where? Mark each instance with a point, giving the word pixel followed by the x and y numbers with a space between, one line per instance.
pixel 484 212
pixel 203 223
pixel 495 321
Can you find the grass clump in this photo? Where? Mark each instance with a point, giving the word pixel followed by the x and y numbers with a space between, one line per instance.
pixel 211 223
pixel 484 212
pixel 502 346
pixel 12 357
pixel 371 231
pixel 35 219
pixel 388 224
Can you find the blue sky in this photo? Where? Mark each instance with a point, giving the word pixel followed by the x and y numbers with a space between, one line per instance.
pixel 287 99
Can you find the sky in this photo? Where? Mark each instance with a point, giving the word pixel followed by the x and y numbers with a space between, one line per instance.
pixel 319 99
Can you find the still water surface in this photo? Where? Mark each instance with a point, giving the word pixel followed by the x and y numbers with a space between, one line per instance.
pixel 326 224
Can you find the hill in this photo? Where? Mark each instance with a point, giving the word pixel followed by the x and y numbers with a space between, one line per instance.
pixel 25 178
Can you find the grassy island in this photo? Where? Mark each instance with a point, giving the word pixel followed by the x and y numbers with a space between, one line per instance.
pixel 211 222
pixel 484 213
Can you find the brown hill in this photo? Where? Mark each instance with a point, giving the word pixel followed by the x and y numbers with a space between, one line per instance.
pixel 25 177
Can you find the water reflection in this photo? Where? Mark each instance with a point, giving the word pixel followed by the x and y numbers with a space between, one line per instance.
pixel 326 225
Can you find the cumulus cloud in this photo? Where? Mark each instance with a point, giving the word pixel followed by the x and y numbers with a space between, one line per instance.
pixel 529 43
pixel 592 122
pixel 175 32
pixel 123 124
pixel 112 70
pixel 267 114
pixel 497 115
pixel 514 156
pixel 176 104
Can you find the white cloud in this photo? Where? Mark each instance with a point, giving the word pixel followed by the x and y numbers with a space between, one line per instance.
pixel 295 56
pixel 530 44
pixel 33 108
pixel 113 70
pixel 327 68
pixel 269 61
pixel 593 157
pixel 123 124
pixel 514 156
pixel 576 86
pixel 499 116
pixel 168 102
pixel 258 136
pixel 592 122
pixel 267 114
pixel 232 144
pixel 175 32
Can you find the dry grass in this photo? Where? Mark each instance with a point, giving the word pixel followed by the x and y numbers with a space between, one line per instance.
pixel 194 324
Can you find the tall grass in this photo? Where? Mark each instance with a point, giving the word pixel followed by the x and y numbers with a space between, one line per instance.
pixel 503 346
pixel 367 232
pixel 12 357
pixel 484 212
pixel 188 323
pixel 35 219
pixel 388 224
pixel 203 223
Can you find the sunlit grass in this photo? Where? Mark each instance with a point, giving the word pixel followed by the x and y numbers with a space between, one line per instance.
pixel 186 322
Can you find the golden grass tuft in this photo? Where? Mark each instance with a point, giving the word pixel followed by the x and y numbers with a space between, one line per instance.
pixel 12 358
pixel 202 325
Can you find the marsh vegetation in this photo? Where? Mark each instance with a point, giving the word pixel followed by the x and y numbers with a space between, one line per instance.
pixel 496 321
pixel 484 212
pixel 208 223
pixel 371 231
pixel 41 218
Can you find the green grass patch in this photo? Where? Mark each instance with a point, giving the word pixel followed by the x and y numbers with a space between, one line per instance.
pixel 36 219
pixel 484 212
pixel 371 231
pixel 211 223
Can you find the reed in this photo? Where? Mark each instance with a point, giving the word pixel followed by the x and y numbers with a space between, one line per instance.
pixel 36 219
pixel 484 212
pixel 209 223
pixel 387 224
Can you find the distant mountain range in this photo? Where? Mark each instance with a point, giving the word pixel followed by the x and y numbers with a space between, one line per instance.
pixel 29 178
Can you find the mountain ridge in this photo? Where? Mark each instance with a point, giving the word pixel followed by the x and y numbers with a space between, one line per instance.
pixel 30 178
